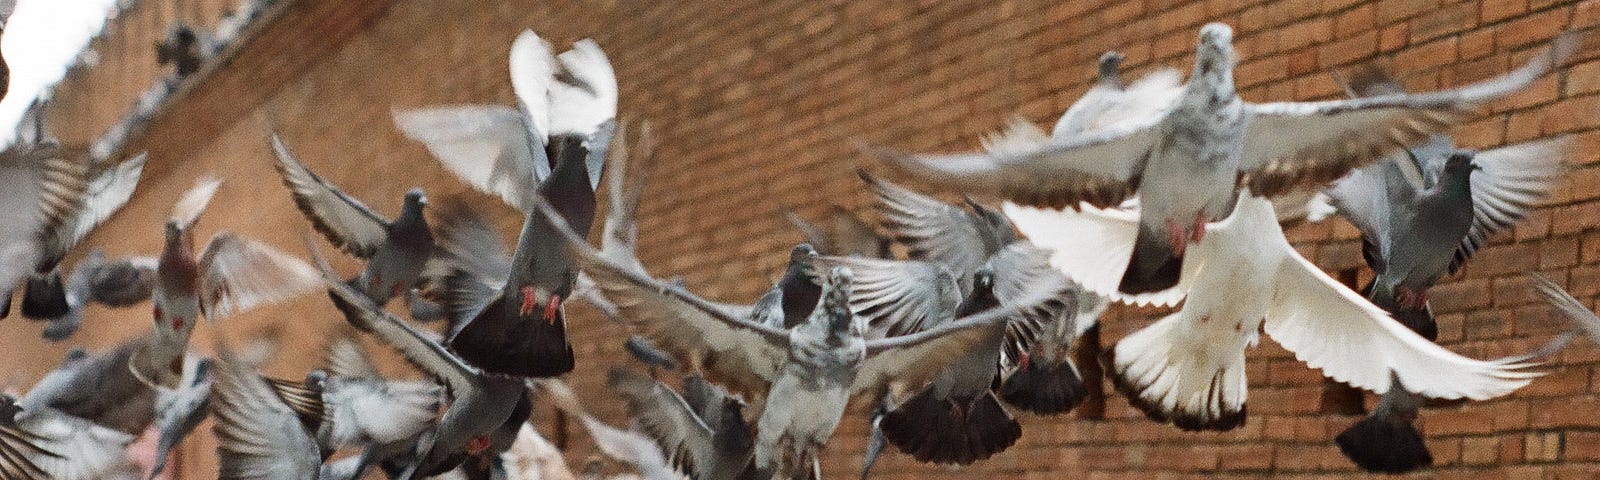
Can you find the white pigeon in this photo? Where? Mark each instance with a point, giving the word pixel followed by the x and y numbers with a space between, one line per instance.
pixel 1188 367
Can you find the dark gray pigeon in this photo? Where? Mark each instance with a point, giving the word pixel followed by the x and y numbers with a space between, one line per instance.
pixel 396 250
pixel 806 374
pixel 98 387
pixel 1423 213
pixel 258 435
pixel 1188 162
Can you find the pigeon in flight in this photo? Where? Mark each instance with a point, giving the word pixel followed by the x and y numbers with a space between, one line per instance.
pixel 473 428
pixel 258 435
pixel 806 374
pixel 1188 367
pixel 396 250
pixel 41 191
pixel 231 274
pixel 98 387
pixel 1188 162
pixel 46 296
pixel 1424 212
pixel 702 430
pixel 1109 101
pixel 563 99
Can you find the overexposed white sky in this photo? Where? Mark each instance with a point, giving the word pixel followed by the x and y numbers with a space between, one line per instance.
pixel 41 39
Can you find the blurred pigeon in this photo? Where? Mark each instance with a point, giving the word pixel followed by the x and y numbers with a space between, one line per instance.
pixel 98 387
pixel 632 448
pixel 185 49
pixel 395 250
pixel 46 296
pixel 6 6
pixel 1189 162
pixel 1188 367
pixel 1423 214
pixel 46 444
pixel 178 412
pixel 708 439
pixel 509 151
pixel 259 437
pixel 807 373
pixel 231 274
pixel 1109 101
pixel 41 192
pixel 481 405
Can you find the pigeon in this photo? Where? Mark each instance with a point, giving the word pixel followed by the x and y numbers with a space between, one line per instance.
pixel 231 274
pixel 1109 101
pixel 46 444
pixel 258 436
pixel 1189 162
pixel 1188 367
pixel 98 387
pixel 522 329
pixel 481 405
pixel 703 430
pixel 178 412
pixel 1387 440
pixel 965 240
pixel 1423 214
pixel 46 296
pixel 357 406
pixel 625 446
pixel 850 234
pixel 806 374
pixel 41 191
pixel 396 250
pixel 185 49
pixel 510 151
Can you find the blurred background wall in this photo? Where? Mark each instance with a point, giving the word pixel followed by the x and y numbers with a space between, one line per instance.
pixel 755 103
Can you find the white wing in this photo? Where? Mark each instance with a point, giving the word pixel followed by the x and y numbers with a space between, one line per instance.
pixel 1091 247
pixel 486 146
pixel 586 97
pixel 532 68
pixel 237 273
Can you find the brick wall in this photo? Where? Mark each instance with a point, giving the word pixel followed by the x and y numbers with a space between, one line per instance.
pixel 754 103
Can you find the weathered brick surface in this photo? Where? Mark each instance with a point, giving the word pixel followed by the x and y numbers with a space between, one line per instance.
pixel 756 104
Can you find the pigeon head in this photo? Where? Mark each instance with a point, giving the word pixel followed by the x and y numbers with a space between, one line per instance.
pixel 1111 67
pixel 800 260
pixel 1460 162
pixel 415 197
pixel 75 355
pixel 316 380
pixel 835 305
pixel 1213 58
pixel 983 279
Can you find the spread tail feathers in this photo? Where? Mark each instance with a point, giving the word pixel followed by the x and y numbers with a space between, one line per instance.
pixel 1153 267
pixel 1385 443
pixel 45 297
pixel 1044 388
pixel 501 341
pixel 954 430
pixel 1163 376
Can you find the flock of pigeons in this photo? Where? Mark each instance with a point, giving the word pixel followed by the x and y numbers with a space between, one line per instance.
pixel 1151 193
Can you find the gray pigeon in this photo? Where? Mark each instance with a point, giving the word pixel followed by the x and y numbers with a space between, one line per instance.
pixel 807 373
pixel 46 444
pixel 396 250
pixel 122 283
pixel 471 427
pixel 178 412
pixel 1188 163
pixel 703 431
pixel 1424 213
pixel 231 274
pixel 98 387
pixel 46 296
pixel 259 437
pixel 185 49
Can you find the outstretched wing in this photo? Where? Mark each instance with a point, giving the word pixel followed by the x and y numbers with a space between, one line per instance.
pixel 345 221
pixel 237 273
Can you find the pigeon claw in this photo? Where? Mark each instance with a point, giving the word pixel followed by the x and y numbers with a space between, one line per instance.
pixel 1177 238
pixel 478 444
pixel 530 301
pixel 552 309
